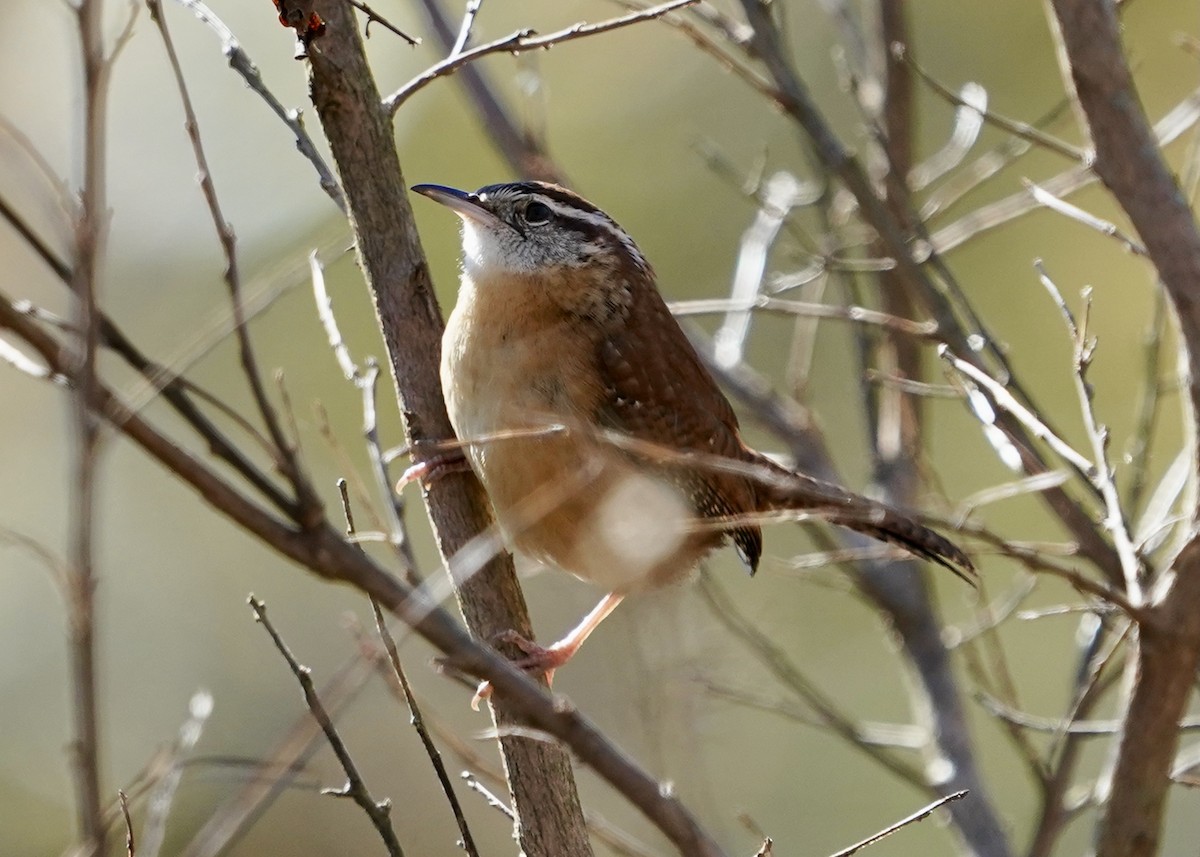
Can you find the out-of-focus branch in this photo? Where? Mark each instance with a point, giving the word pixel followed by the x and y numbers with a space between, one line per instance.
pixel 90 231
pixel 522 150
pixel 797 102
pixel 1130 164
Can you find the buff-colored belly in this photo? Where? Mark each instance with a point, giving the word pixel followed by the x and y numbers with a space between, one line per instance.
pixel 561 494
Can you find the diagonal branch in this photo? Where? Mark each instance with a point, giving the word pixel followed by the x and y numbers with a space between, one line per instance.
pixel 325 552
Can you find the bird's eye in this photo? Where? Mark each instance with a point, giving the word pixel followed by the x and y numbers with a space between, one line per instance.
pixel 537 213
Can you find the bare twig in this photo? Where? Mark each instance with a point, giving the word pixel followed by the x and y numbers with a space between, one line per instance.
pixel 519 42
pixel 1021 130
pixel 308 506
pixel 366 382
pixel 480 789
pixel 379 812
pixel 919 815
pixel 523 151
pixel 924 330
pixel 240 62
pixel 130 848
pixel 1102 473
pixel 418 723
pixel 90 231
pixel 464 30
pixel 1091 221
pixel 1032 421
pixel 374 17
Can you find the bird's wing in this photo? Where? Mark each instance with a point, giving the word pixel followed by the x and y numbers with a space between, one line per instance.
pixel 658 391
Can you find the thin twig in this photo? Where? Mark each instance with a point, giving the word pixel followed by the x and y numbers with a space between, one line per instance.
pixel 308 506
pixel 374 17
pixel 130 848
pixel 366 381
pixel 418 723
pixel 378 812
pixel 1032 422
pixel 519 42
pixel 240 62
pixel 925 330
pixel 1102 473
pixel 464 30
pixel 1091 221
pixel 1021 130
pixel 494 802
pixel 919 815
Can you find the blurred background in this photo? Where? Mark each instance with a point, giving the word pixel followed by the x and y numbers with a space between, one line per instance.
pixel 633 118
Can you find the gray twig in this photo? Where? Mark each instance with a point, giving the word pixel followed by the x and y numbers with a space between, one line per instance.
pixel 379 812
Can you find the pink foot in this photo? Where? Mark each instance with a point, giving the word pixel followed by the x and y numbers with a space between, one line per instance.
pixel 434 468
pixel 538 660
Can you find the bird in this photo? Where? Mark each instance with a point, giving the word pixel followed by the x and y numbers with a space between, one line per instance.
pixel 604 445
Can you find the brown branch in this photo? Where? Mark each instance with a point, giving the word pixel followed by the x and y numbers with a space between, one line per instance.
pixel 521 41
pixel 240 62
pixel 359 130
pixel 379 812
pixel 307 503
pixel 325 552
pixel 1129 163
pixel 418 724
pixel 277 769
pixel 90 231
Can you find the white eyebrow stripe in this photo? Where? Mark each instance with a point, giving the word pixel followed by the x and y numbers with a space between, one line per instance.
pixel 595 218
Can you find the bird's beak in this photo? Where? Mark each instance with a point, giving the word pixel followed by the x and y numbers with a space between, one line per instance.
pixel 466 205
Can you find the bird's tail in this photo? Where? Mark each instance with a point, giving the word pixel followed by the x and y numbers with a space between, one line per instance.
pixel 787 490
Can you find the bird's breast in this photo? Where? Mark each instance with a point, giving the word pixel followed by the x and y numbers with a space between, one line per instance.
pixel 522 389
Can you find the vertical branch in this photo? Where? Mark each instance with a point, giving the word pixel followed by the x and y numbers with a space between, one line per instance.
pixel 1130 164
pixel 90 227
pixel 549 817
pixel 898 587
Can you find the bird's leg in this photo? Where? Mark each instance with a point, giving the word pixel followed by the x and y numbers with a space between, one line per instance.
pixel 539 659
pixel 435 467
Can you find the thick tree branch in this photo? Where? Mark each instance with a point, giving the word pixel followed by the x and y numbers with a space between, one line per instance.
pixel 359 130
pixel 1130 164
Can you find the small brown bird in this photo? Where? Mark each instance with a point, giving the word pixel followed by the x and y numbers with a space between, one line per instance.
pixel 605 446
